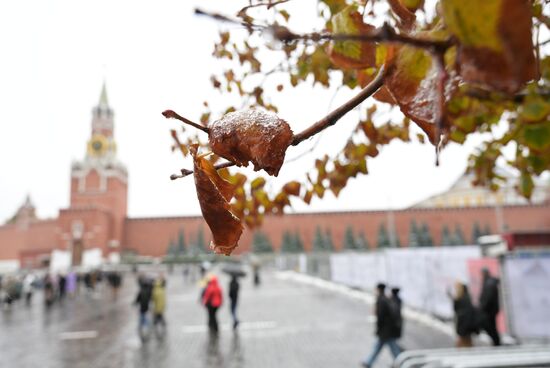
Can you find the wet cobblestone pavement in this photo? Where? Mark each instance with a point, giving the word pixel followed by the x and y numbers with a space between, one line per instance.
pixel 284 324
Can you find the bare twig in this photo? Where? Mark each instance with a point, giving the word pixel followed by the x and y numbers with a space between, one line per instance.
pixel 484 95
pixel 186 172
pixel 269 5
pixel 335 115
pixel 169 114
pixel 537 50
pixel 224 18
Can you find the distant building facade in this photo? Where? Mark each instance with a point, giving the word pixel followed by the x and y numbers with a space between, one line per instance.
pixel 97 215
pixel 463 194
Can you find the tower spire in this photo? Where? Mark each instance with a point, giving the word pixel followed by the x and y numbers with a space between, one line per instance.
pixel 103 101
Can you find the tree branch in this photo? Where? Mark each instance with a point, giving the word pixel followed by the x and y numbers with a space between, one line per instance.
pixel 335 115
pixel 169 114
pixel 186 172
pixel 319 126
pixel 382 34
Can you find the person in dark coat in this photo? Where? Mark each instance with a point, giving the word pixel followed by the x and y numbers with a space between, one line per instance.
pixel 385 327
pixel 395 308
pixel 61 284
pixel 143 299
pixel 489 305
pixel 465 316
pixel 233 297
pixel 49 292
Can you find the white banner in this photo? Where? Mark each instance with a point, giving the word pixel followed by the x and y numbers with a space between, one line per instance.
pixel 528 286
pixel 92 258
pixel 60 261
pixel 9 266
pixel 423 274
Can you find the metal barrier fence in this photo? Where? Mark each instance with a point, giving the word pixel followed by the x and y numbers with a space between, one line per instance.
pixel 506 356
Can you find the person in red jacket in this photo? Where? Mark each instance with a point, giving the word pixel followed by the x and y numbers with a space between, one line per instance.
pixel 212 299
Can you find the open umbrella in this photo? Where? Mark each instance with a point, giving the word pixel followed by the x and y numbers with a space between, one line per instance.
pixel 234 269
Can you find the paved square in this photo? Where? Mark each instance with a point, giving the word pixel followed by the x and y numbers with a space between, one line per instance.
pixel 284 324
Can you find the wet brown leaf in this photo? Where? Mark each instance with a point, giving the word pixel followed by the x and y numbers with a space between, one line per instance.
pixel 214 194
pixel 255 136
pixel 413 83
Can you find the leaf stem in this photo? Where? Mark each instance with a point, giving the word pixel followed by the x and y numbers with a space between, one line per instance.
pixel 269 5
pixel 186 172
pixel 170 114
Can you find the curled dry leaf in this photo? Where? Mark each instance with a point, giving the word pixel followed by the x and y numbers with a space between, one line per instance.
pixel 496 47
pixel 214 194
pixel 292 188
pixel 255 136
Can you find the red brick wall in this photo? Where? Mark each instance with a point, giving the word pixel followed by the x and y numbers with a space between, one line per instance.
pixel 97 224
pixel 12 240
pixel 15 239
pixel 151 236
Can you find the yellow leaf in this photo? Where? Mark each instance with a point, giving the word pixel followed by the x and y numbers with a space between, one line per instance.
pixel 474 22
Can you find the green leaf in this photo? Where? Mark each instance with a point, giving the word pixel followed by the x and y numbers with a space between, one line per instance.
pixel 535 109
pixel 458 136
pixel 284 14
pixel 526 185
pixel 537 136
pixel 414 62
pixel 351 54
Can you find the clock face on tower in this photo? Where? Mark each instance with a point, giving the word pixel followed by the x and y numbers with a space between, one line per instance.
pixel 97 146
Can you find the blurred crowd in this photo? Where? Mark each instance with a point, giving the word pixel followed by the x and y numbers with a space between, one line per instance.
pixel 20 288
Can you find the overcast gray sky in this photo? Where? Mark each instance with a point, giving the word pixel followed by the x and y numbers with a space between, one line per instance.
pixel 154 56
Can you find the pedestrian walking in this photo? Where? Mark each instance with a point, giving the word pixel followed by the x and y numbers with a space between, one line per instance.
pixel 114 279
pixel 61 285
pixel 385 328
pixel 212 299
pixel 159 305
pixel 71 284
pixel 143 298
pixel 466 316
pixel 234 297
pixel 395 311
pixel 49 290
pixel 256 273
pixel 490 306
pixel 28 288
